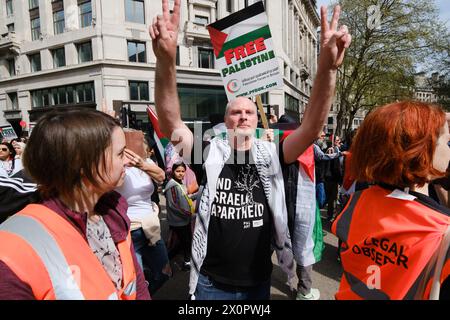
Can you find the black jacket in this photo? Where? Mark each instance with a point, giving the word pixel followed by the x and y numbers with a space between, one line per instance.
pixel 16 192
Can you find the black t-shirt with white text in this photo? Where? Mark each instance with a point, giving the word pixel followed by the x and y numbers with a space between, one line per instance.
pixel 239 234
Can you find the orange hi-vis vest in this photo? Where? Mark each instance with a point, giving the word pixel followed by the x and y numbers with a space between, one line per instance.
pixel 45 251
pixel 390 246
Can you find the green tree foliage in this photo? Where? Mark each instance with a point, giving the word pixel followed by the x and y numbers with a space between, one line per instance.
pixel 442 85
pixel 390 37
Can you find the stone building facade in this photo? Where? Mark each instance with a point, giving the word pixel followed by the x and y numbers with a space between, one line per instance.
pixel 81 52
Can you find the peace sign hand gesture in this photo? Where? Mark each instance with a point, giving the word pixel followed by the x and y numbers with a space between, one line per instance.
pixel 164 33
pixel 333 41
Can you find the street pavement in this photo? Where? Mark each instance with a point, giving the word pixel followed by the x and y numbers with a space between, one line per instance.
pixel 326 273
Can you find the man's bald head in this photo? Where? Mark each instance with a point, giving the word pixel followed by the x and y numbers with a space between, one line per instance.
pixel 239 102
pixel 241 115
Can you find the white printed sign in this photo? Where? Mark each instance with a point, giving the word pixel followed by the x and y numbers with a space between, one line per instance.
pixel 245 53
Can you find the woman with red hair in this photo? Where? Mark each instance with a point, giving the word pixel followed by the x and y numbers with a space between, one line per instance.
pixel 394 236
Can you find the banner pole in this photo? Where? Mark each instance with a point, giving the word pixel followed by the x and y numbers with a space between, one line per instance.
pixel 261 112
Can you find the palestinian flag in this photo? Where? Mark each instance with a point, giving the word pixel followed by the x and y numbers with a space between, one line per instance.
pixel 305 224
pixel 309 245
pixel 244 52
pixel 233 30
pixel 158 137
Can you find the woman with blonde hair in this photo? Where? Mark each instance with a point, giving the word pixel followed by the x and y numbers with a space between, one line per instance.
pixel 19 147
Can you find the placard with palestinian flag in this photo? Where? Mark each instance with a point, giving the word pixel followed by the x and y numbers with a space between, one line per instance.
pixel 7 132
pixel 245 53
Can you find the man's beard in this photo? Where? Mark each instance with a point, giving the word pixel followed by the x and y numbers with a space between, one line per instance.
pixel 243 132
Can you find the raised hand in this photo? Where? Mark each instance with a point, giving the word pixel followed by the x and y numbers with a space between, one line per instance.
pixel 134 158
pixel 333 42
pixel 164 32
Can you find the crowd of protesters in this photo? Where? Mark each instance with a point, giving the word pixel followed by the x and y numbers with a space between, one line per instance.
pixel 80 198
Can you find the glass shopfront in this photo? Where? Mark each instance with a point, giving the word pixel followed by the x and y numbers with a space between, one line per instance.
pixel 198 102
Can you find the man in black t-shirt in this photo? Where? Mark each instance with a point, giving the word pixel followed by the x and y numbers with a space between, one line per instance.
pixel 239 233
pixel 242 209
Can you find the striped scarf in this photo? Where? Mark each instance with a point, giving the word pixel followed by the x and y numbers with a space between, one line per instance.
pixel 270 174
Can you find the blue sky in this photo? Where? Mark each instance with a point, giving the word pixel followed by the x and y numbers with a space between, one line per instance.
pixel 443 5
pixel 444 10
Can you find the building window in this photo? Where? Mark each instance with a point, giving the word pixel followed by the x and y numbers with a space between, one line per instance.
pixel 201 20
pixel 9 8
pixel 35 28
pixel 59 57
pixel 177 58
pixel 293 77
pixel 330 120
pixel 11 67
pixel 85 92
pixel 37 97
pixel 84 52
pixel 205 58
pixel 63 95
pixel 291 104
pixel 35 62
pixel 79 93
pixel 134 11
pixel 13 103
pixel 33 4
pixel 230 5
pixel 265 98
pixel 10 27
pixel 139 91
pixel 201 101
pixel 58 22
pixel 136 51
pixel 85 10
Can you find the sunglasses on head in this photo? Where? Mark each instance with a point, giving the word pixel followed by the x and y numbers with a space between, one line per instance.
pixel 4 149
